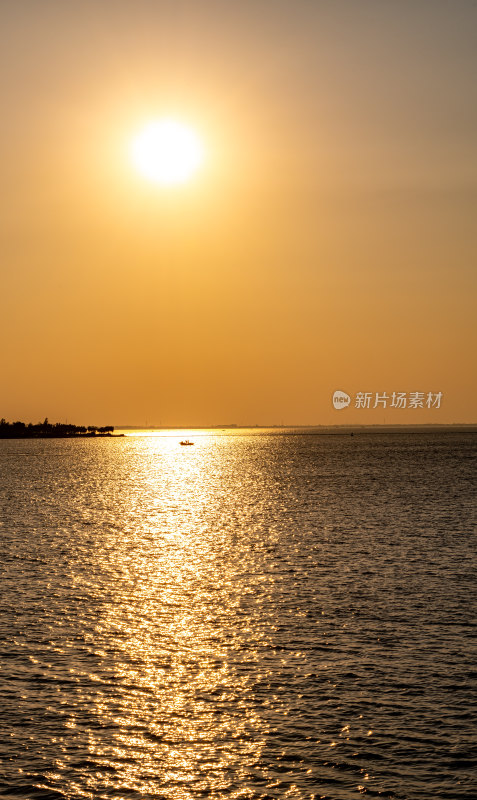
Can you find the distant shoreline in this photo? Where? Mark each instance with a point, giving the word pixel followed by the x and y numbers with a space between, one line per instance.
pixel 46 430
pixel 57 430
pixel 382 426
pixel 301 430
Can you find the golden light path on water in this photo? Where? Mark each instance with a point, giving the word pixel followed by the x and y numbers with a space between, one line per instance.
pixel 178 617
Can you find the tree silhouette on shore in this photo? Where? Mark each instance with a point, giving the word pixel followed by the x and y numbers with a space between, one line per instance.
pixel 45 429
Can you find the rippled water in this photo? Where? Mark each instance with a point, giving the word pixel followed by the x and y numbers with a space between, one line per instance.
pixel 257 616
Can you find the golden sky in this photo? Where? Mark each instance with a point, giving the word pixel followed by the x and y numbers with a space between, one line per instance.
pixel 327 242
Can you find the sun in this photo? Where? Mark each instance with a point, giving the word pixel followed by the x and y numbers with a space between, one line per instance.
pixel 167 152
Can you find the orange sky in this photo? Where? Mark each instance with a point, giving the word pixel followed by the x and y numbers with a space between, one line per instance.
pixel 327 243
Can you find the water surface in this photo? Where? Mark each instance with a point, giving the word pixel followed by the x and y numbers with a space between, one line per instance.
pixel 256 616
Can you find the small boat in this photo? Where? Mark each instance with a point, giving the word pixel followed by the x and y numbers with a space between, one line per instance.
pixel 186 441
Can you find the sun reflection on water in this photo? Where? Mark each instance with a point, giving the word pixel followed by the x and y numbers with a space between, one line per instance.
pixel 175 616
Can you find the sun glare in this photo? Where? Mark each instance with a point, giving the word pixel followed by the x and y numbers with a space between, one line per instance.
pixel 167 152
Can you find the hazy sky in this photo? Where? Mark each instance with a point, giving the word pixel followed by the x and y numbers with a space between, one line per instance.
pixel 328 242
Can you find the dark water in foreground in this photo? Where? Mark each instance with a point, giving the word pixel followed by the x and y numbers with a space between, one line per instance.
pixel 251 617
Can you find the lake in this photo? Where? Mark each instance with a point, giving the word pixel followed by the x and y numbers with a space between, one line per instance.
pixel 260 615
